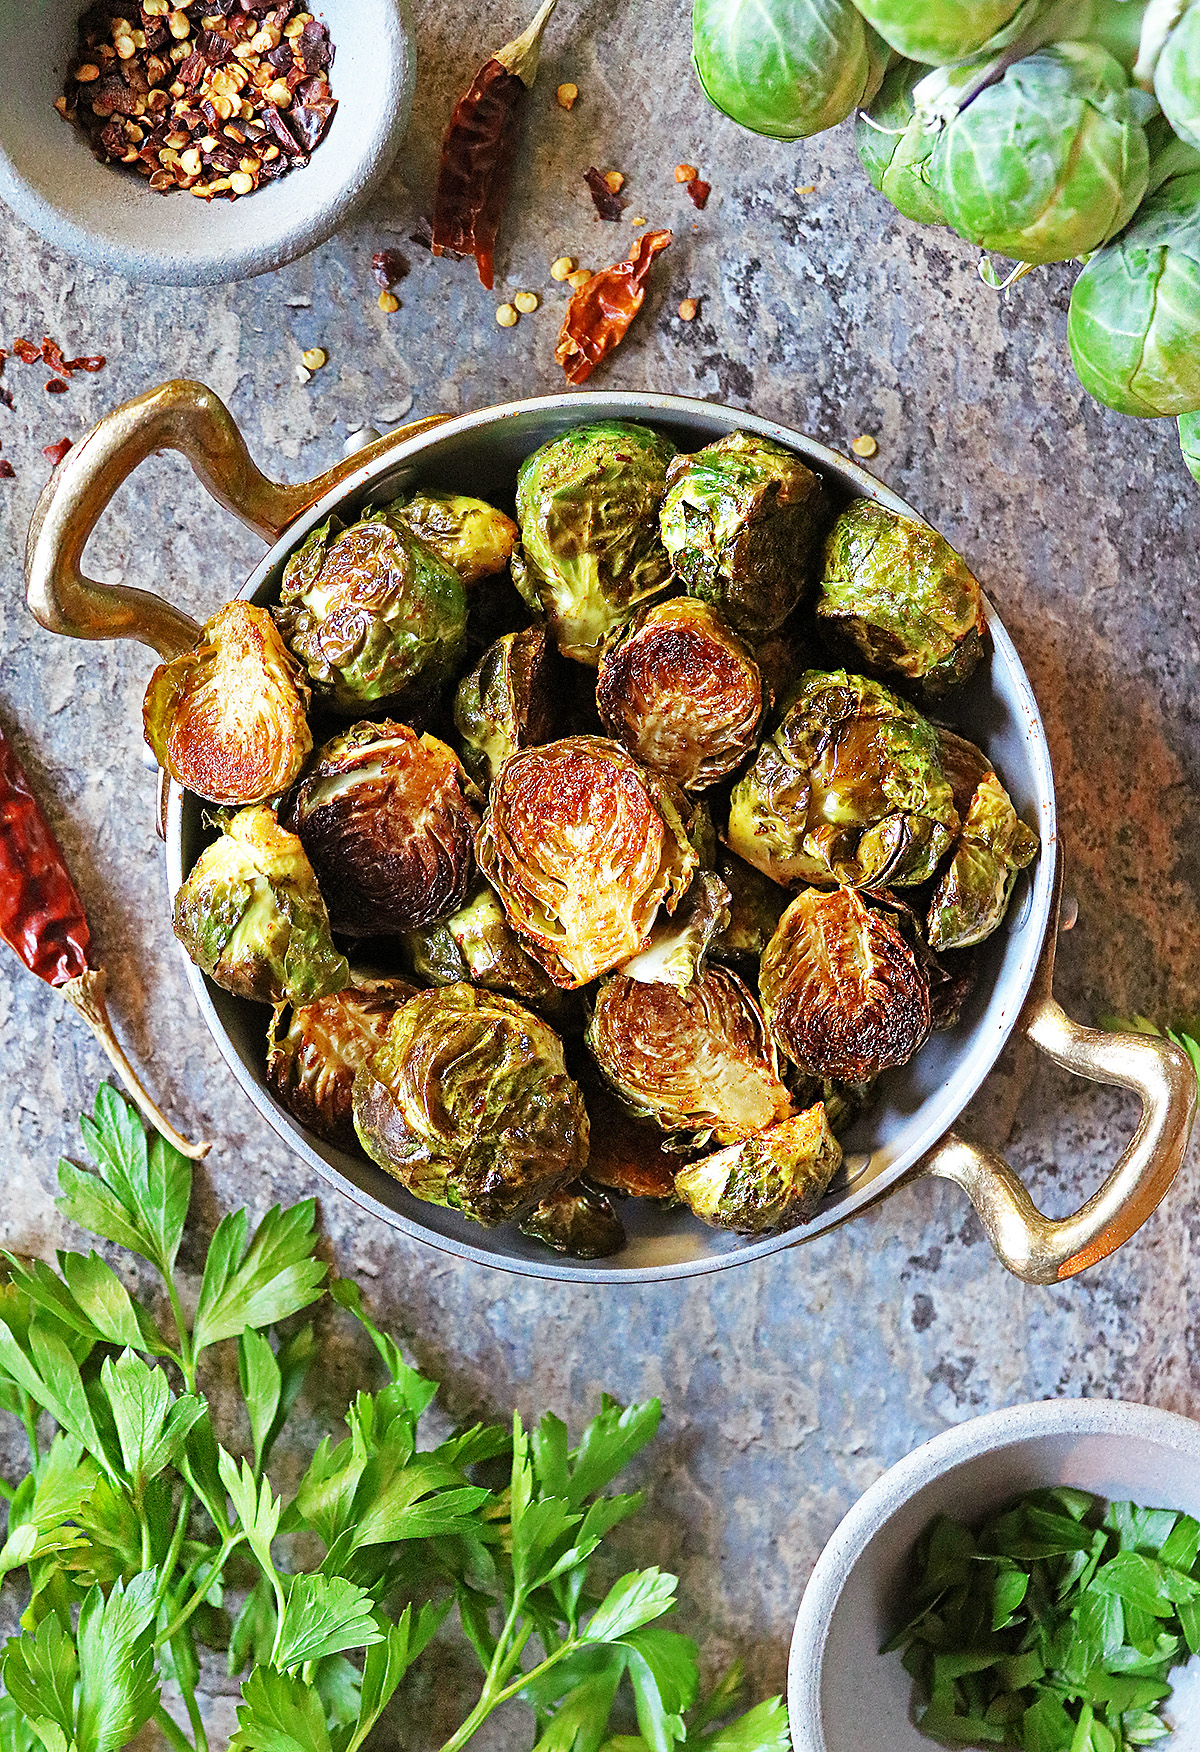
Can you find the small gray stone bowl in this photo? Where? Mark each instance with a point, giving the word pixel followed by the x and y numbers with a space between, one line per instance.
pixel 106 214
pixel 843 1695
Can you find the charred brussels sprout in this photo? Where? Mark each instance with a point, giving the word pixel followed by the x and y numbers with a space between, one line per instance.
pixel 587 504
pixel 938 31
pixel 371 611
pixel 972 897
pixel 468 1103
pixel 849 788
pixel 697 1059
pixel 227 720
pixel 768 1183
pixel 478 944
pixel 577 1220
pixel 677 947
pixel 741 521
pixel 469 534
pixel 843 993
pixel 251 915
pixel 901 596
pixel 755 906
pixel 505 703
pixel 787 68
pixel 314 1050
pixel 387 818
pixel 682 692
pixel 895 146
pixel 582 847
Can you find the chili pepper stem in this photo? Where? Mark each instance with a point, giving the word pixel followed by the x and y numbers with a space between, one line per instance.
pixel 522 54
pixel 86 994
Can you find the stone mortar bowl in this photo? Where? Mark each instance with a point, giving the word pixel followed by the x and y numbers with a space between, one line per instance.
pixel 107 215
pixel 843 1695
pixel 905 1132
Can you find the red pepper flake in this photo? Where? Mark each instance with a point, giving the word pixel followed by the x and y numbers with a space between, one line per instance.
pixel 478 149
pixel 54 453
pixel 26 352
pixel 7 471
pixel 601 311
pixel 89 362
pixel 607 202
pixel 388 267
pixel 56 386
pixel 699 191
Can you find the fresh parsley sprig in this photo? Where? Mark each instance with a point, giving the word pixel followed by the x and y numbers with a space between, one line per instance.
pixel 145 1537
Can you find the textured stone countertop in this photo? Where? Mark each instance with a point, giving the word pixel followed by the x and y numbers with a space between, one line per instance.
pixel 789 1386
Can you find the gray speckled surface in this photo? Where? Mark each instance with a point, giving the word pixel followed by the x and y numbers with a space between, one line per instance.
pixel 788 1386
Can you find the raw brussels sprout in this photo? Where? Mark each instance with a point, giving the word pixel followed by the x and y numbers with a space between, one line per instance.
pixel 972 897
pixel 682 692
pixel 467 1102
pixel 741 521
pixel 677 947
pixel 578 1220
pixel 766 1184
pixel 843 994
pixel 582 847
pixel 1189 441
pixel 1132 327
pixel 314 1050
pixel 228 719
pixel 900 595
pixel 1170 56
pixel 478 944
pixel 755 906
pixel 849 788
pixel 505 703
pixel 388 819
pixel 1049 162
pixel 370 611
pixel 251 915
pixel 697 1059
pixel 469 534
pixel 587 504
pixel 895 146
pixel 787 68
pixel 938 31
pixel 1169 155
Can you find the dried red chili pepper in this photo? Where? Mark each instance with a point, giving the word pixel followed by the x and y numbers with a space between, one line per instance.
pixel 603 308
pixel 42 919
pixel 478 149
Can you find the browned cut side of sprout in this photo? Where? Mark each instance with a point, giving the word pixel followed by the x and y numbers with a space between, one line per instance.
pixel 768 1183
pixel 314 1050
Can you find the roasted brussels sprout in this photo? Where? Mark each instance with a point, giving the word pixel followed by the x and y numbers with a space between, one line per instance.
pixel 371 611
pixel 469 534
pixel 895 144
pixel 697 1059
pixel 505 703
pixel 900 595
pixel 765 1184
pixel 938 31
pixel 1049 162
pixel 587 504
pixel 582 847
pixel 578 1220
pixel 972 897
pixel 627 1155
pixel 787 68
pixel 478 944
pixel 388 820
pixel 682 692
pixel 849 788
pixel 677 947
pixel 314 1050
pixel 227 720
pixel 963 764
pixel 468 1103
pixel 251 915
pixel 741 521
pixel 842 992
pixel 755 906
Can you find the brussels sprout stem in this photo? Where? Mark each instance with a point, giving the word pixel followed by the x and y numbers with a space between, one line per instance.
pixel 988 275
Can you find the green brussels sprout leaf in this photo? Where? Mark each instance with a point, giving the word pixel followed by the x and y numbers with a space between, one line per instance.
pixel 469 534
pixel 972 897
pixel 1189 441
pixel 895 144
pixel 677 947
pixel 506 702
pixel 940 31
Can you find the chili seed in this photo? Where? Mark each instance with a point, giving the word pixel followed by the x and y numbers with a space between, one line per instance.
pixel 688 309
pixel 639 220
pixel 124 47
pixel 303 374
pixel 179 25
pixel 388 302
pixel 566 95
pixel 526 302
pixel 686 173
pixel 156 8
pixel 506 315
pixel 314 358
pixel 865 445
pixel 189 162
pixel 87 73
pixel 563 268
pixel 579 278
pixel 241 182
pixel 615 181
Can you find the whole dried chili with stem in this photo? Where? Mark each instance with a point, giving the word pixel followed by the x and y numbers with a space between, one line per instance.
pixel 603 308
pixel 478 149
pixel 42 919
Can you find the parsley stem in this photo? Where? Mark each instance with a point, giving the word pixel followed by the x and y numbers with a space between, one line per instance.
pixel 29 1418
pixel 187 1360
pixel 171 1730
pixel 228 1543
pixel 176 1545
pixel 193 1709
pixel 491 1700
pixel 7 1491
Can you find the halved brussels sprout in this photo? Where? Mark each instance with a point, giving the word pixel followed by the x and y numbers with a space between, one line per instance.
pixel 227 720
pixel 582 847
pixel 371 611
pixel 587 504
pixel 478 944
pixel 314 1050
pixel 741 520
pixel 506 702
pixel 787 68
pixel 938 31
pixel 843 994
pixel 577 1220
pixel 697 1059
pixel 251 915
pixel 755 906
pixel 899 594
pixel 972 897
pixel 628 1155
pixel 677 947
pixel 895 145
pixel 467 1102
pixel 849 788
pixel 387 818
pixel 469 534
pixel 682 692
pixel 765 1184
